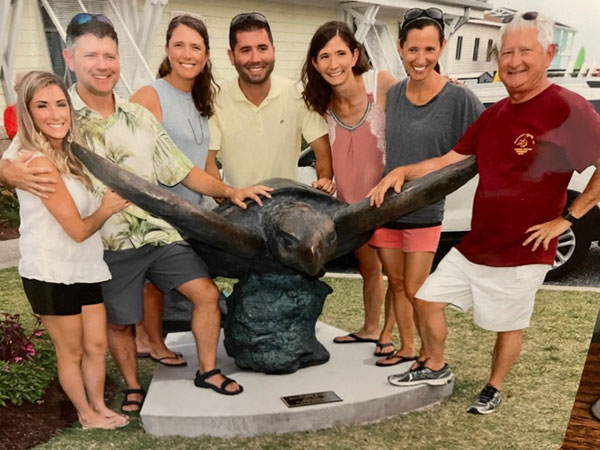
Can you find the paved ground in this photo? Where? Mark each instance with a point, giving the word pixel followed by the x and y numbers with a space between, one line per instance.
pixel 9 253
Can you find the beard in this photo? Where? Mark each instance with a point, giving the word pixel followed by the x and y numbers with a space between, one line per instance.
pixel 251 79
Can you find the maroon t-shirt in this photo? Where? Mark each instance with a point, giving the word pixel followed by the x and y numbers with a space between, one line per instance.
pixel 526 153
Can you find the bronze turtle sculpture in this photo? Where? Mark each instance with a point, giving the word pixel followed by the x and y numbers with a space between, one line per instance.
pixel 278 251
pixel 297 231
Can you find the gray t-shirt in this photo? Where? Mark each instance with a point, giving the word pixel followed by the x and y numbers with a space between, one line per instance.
pixel 415 133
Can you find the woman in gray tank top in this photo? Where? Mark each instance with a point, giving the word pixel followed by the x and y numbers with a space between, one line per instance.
pixel 426 115
pixel 182 99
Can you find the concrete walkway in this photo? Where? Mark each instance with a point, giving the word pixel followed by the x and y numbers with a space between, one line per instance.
pixel 9 253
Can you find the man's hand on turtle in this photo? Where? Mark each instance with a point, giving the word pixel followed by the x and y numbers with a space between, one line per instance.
pixel 543 233
pixel 325 184
pixel 30 179
pixel 393 179
pixel 238 196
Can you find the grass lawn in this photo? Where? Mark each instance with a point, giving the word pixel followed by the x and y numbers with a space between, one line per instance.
pixel 538 394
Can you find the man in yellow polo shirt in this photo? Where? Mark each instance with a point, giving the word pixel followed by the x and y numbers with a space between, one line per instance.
pixel 260 118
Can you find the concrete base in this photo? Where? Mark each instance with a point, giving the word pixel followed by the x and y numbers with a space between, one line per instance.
pixel 174 406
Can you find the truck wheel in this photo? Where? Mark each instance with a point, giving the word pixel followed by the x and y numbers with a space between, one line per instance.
pixel 573 245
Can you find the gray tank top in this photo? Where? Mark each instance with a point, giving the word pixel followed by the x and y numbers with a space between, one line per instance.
pixel 186 127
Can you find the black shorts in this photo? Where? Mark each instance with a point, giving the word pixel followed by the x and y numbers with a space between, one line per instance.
pixel 57 299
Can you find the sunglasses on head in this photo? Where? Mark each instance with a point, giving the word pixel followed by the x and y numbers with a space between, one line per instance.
pixel 83 18
pixel 530 15
pixel 435 14
pixel 248 16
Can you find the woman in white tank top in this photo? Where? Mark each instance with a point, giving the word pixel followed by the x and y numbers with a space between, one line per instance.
pixel 61 251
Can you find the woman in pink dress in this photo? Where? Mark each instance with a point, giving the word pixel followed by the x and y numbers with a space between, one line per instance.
pixel 339 86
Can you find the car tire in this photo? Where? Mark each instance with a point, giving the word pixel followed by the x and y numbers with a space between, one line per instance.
pixel 573 245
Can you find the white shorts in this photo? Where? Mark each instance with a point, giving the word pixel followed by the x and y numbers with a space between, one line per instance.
pixel 502 297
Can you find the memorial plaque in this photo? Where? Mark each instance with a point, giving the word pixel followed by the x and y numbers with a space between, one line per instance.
pixel 314 398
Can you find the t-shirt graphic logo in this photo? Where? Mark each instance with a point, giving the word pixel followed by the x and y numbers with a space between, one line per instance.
pixel 524 143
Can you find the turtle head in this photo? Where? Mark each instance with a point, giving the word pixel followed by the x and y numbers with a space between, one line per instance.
pixel 300 236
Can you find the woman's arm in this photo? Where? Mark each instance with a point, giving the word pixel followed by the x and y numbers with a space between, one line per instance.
pixel 385 81
pixel 399 175
pixel 63 209
pixel 148 98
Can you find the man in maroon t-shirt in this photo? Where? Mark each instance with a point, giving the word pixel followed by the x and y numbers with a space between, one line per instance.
pixel 527 146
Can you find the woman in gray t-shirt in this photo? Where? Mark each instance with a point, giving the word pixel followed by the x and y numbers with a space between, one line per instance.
pixel 425 116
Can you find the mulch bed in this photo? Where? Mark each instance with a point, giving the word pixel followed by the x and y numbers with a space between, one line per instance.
pixel 8 233
pixel 31 424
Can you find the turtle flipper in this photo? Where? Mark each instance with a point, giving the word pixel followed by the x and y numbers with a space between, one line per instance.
pixel 197 222
pixel 354 222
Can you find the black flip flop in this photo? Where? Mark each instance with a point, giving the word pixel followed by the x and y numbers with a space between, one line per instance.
pixel 176 357
pixel 200 381
pixel 382 345
pixel 357 340
pixel 400 359
pixel 142 355
pixel 127 402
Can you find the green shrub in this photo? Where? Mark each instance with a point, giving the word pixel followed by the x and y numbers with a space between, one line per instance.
pixel 27 362
pixel 9 208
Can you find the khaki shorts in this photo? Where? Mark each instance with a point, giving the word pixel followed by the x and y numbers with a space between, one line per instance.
pixel 502 297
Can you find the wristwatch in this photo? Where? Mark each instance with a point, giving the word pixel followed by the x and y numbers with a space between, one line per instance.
pixel 567 216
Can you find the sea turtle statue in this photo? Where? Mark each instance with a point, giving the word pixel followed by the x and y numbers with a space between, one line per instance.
pixel 277 252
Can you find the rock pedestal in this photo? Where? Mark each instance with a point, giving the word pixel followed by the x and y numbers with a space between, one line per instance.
pixel 270 324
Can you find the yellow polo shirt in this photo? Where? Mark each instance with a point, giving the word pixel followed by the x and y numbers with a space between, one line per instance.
pixel 260 142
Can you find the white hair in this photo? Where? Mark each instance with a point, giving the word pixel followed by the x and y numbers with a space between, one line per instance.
pixel 543 24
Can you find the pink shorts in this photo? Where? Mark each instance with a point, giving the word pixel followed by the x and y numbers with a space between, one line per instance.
pixel 409 240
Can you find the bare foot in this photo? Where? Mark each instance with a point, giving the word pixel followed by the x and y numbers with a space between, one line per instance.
pixel 168 358
pixel 98 421
pixel 394 359
pixel 358 337
pixel 107 412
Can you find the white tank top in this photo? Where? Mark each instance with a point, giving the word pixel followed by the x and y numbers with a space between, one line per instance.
pixel 47 251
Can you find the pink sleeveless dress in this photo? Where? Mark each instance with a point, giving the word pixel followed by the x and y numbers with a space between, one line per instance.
pixel 358 151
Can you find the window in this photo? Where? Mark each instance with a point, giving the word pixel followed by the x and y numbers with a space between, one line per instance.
pixel 55 47
pixel 476 49
pixel 490 50
pixel 459 40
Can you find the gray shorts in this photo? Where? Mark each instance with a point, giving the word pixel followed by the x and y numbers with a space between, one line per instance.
pixel 167 266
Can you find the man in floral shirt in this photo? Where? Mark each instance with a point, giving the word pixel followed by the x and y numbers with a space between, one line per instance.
pixel 138 245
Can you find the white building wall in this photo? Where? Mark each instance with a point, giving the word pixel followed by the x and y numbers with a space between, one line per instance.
pixel 292 26
pixel 31 51
pixel 469 32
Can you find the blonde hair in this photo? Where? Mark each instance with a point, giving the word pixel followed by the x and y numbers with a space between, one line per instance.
pixel 32 138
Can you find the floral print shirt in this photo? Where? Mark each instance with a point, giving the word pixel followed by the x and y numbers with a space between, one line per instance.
pixel 132 138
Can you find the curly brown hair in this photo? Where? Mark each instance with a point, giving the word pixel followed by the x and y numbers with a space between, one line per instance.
pixel 205 87
pixel 317 92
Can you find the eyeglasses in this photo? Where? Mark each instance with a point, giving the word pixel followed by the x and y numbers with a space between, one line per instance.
pixel 83 18
pixel 248 16
pixel 434 14
pixel 530 15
